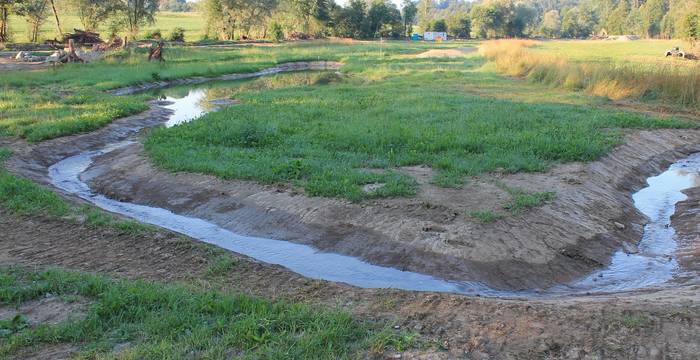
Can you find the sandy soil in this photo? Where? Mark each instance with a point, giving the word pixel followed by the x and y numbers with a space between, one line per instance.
pixel 10 65
pixel 446 53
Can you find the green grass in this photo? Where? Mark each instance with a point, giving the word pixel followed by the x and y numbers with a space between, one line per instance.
pixel 173 322
pixel 643 52
pixel 40 105
pixel 193 23
pixel 384 114
pixel 24 197
pixel 523 200
pixel 40 114
pixel 485 217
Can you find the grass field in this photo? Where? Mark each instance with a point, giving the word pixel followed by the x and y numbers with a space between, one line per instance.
pixel 387 110
pixel 600 69
pixel 384 114
pixel 644 52
pixel 193 23
pixel 173 322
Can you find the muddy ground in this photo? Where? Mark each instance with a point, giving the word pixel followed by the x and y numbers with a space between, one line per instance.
pixel 642 325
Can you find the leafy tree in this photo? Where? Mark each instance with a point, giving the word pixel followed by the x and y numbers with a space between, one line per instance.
pixel 459 24
pixel 92 13
pixel 408 14
pixel 351 21
pixel 438 25
pixel 424 8
pixel 6 7
pixel 551 24
pixel 135 13
pixel 384 19
pixel 35 13
pixel 276 32
pixel 486 19
pixel 652 16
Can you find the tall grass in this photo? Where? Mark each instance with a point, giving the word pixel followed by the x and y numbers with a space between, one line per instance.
pixel 616 80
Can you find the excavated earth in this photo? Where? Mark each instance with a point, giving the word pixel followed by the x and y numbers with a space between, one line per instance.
pixel 559 242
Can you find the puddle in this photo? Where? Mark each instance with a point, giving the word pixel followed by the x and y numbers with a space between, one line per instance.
pixel 655 263
pixel 652 266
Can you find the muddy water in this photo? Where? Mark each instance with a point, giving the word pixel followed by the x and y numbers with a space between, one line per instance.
pixel 652 265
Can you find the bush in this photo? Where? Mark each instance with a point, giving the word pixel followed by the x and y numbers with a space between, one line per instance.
pixel 154 35
pixel 276 33
pixel 178 34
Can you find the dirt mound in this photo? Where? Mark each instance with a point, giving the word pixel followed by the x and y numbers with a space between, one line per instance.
pixel 445 53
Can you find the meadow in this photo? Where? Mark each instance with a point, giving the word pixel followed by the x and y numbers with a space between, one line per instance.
pixel 193 23
pixel 340 132
pixel 633 70
pixel 359 128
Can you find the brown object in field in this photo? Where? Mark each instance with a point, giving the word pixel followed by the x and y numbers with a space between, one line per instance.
pixel 83 37
pixel 156 52
pixel 72 56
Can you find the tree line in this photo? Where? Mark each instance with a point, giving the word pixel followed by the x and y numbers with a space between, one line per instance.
pixel 371 19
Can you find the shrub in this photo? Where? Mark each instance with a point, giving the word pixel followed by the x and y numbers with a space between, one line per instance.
pixel 154 35
pixel 276 33
pixel 178 34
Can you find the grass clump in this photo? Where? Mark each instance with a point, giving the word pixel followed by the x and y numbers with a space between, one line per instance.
pixel 485 216
pixel 164 321
pixel 24 197
pixel 522 200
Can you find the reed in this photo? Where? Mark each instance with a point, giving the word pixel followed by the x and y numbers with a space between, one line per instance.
pixel 616 80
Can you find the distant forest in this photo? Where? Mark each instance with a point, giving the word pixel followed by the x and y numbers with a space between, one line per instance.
pixel 372 19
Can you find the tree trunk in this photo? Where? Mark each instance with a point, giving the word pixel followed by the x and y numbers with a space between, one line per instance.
pixel 58 22
pixel 3 24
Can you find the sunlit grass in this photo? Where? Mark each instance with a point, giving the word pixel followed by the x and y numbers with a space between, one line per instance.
pixel 614 77
pixel 159 321
pixel 385 115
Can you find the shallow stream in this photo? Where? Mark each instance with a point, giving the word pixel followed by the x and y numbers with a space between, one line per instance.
pixel 653 265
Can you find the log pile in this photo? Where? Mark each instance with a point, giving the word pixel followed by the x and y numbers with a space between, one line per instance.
pixel 83 37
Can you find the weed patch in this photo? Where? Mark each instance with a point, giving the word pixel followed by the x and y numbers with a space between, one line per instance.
pixel 163 321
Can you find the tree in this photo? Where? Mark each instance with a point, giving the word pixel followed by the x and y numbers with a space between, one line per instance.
pixel 652 16
pixel 384 19
pixel 459 24
pixel 486 19
pixel 136 13
pixel 408 14
pixel 311 9
pixel 58 21
pixel 438 25
pixel 351 21
pixel 424 8
pixel 35 13
pixel 551 24
pixel 92 13
pixel 6 6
